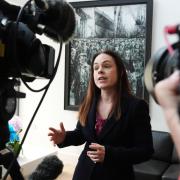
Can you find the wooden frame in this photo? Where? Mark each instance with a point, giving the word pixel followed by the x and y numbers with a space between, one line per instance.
pixel 122 25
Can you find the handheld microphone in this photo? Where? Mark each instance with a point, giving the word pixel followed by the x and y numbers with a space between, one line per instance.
pixel 58 17
pixel 49 169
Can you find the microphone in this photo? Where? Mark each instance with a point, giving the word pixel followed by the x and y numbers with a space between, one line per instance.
pixel 58 17
pixel 49 169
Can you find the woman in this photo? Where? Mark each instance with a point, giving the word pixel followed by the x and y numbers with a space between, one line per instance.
pixel 114 125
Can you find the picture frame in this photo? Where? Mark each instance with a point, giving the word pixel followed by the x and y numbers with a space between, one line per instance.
pixel 121 25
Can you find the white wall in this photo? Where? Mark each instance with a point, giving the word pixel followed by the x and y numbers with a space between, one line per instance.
pixel 165 12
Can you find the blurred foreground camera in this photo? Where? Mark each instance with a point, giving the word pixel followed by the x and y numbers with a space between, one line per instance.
pixel 22 55
pixel 31 58
pixel 163 63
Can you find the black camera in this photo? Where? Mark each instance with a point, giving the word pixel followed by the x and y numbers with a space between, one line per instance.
pixel 22 55
pixel 163 63
pixel 31 58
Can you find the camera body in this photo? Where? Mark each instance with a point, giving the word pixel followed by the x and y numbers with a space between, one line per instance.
pixel 22 53
pixel 162 64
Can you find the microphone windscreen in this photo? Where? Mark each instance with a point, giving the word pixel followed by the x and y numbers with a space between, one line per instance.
pixel 49 169
pixel 59 18
pixel 70 24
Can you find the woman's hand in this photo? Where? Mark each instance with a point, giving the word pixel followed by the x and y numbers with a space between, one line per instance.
pixel 57 136
pixel 97 154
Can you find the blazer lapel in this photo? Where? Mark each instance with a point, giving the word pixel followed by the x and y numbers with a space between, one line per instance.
pixel 110 123
pixel 92 119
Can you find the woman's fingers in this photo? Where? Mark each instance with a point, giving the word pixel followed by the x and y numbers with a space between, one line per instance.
pixel 95 146
pixel 96 153
pixel 52 129
pixel 50 134
pixel 93 156
pixel 57 136
pixel 92 153
pixel 62 127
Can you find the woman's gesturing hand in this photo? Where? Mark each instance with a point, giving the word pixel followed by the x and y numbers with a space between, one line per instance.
pixel 57 136
pixel 97 153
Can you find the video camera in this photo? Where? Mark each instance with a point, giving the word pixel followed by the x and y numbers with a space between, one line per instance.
pixel 164 62
pixel 22 55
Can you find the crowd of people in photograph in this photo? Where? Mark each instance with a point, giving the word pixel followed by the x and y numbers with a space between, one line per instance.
pixel 132 51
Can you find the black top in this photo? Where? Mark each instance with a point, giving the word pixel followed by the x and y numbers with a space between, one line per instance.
pixel 127 141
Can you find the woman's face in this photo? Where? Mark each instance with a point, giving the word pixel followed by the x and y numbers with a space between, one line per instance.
pixel 105 71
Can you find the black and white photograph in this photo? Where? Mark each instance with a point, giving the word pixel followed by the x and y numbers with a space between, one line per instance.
pixel 125 28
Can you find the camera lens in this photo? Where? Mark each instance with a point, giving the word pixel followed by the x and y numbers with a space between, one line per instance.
pixel 161 65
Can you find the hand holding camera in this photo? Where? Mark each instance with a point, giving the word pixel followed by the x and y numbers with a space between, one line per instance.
pixel 162 79
pixel 167 94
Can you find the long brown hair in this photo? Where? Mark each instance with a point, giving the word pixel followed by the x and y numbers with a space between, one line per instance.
pixel 123 87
